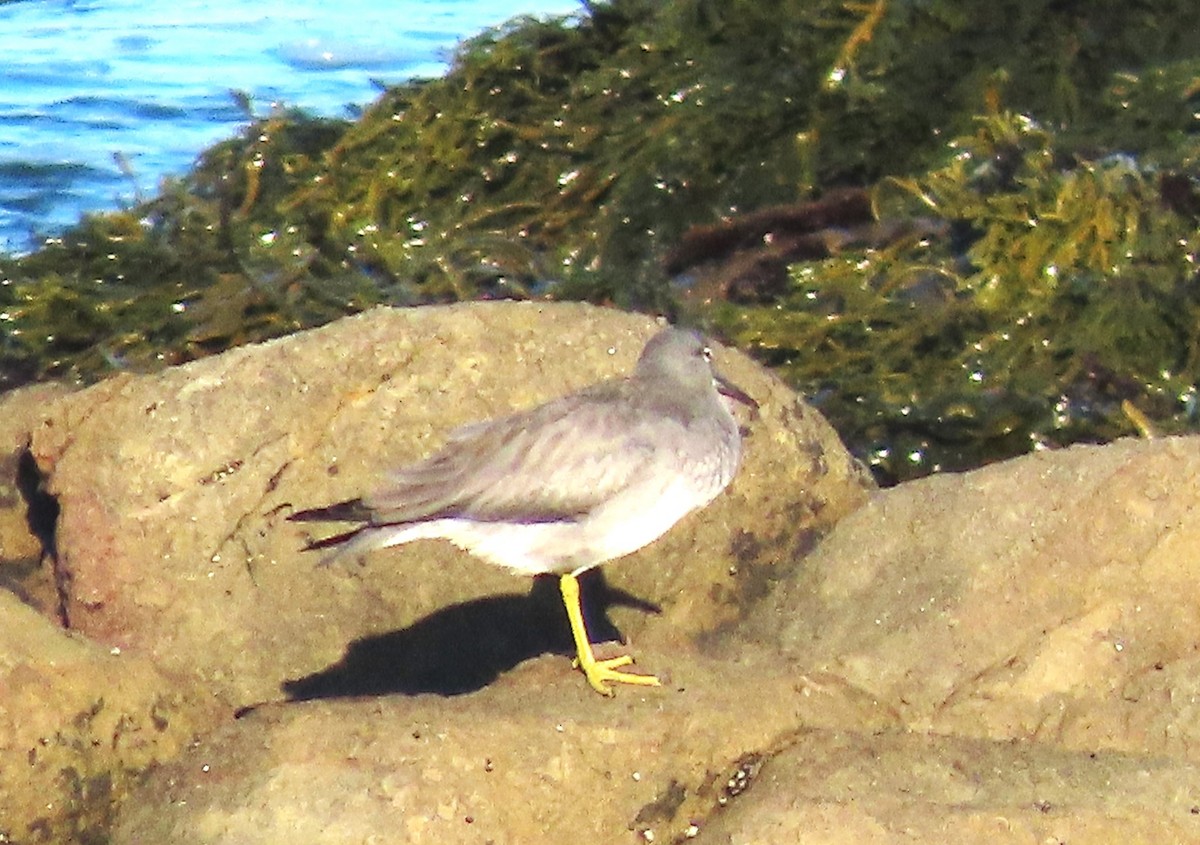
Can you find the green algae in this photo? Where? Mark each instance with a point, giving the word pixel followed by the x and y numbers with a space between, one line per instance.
pixel 565 158
pixel 1064 289
pixel 191 272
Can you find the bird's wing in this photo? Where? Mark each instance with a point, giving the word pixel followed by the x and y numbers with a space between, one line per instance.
pixel 555 462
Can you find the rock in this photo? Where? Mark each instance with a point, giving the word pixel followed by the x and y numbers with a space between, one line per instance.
pixel 832 787
pixel 934 671
pixel 77 724
pixel 1052 598
pixel 172 492
pixel 536 757
pixel 1001 656
pixel 25 512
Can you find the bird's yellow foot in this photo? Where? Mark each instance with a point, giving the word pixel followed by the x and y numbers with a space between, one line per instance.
pixel 599 673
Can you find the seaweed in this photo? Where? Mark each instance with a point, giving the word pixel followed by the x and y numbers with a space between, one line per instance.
pixel 1024 279
pixel 1063 292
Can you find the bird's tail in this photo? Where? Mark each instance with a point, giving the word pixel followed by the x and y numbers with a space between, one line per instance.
pixel 359 540
pixel 334 541
pixel 351 510
pixel 348 544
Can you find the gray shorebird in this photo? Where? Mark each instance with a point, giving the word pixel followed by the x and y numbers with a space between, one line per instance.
pixel 568 485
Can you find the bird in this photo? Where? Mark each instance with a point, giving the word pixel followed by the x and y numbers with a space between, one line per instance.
pixel 565 486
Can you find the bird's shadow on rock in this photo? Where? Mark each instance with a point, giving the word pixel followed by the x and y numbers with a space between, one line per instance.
pixel 464 647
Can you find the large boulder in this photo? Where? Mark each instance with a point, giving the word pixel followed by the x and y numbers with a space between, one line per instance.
pixel 897 788
pixel 174 491
pixel 1004 656
pixel 164 501
pixel 1052 598
pixel 78 724
pixel 536 757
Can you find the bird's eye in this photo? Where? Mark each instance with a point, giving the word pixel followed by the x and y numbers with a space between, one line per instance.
pixel 706 352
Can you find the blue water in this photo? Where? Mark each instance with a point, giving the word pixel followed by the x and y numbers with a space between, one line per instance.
pixel 100 99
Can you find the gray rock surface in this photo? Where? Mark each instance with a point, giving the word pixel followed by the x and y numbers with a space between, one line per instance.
pixel 1006 655
pixel 173 490
pixel 536 757
pixel 78 722
pixel 1049 598
pixel 834 788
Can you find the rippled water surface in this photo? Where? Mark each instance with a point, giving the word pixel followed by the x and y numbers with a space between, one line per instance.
pixel 100 99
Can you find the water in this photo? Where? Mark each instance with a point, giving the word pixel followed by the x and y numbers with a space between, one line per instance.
pixel 99 99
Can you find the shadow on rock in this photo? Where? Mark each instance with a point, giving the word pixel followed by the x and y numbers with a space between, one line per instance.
pixel 466 646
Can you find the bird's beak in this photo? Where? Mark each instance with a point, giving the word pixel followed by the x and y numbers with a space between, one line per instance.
pixel 727 388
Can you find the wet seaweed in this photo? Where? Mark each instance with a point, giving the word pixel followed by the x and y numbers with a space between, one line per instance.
pixel 1064 291
pixel 1021 281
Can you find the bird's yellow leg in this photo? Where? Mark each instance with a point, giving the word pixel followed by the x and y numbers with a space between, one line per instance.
pixel 598 672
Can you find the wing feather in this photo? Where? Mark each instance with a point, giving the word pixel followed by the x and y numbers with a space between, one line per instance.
pixel 555 462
